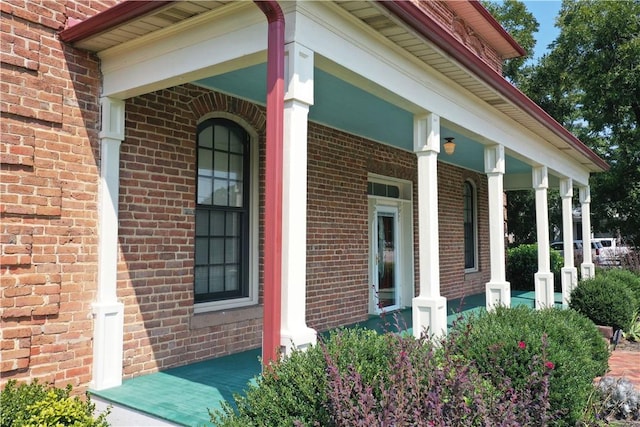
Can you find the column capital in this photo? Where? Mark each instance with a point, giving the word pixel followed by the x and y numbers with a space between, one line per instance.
pixel 566 188
pixel 298 72
pixel 112 114
pixel 426 133
pixel 540 177
pixel 494 159
pixel 585 194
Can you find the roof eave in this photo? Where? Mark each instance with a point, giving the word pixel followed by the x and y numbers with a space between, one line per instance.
pixel 110 18
pixel 411 15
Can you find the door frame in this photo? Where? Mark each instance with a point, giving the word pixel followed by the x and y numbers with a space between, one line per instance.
pixel 404 272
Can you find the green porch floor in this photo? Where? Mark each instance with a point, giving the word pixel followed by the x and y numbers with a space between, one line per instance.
pixel 184 394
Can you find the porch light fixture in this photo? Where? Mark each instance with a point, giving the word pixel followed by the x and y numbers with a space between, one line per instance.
pixel 449 146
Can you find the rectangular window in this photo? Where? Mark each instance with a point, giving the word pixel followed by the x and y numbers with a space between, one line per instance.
pixel 469 213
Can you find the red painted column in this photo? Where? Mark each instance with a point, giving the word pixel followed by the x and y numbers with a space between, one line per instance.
pixel 273 182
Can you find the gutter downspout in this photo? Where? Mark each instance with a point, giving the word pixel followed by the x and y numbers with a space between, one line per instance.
pixel 273 182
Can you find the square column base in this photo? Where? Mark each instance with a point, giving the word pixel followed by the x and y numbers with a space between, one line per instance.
pixel 587 271
pixel 107 345
pixel 497 294
pixel 429 314
pixel 569 282
pixel 300 339
pixel 544 290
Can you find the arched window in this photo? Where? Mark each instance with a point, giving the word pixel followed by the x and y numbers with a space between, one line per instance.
pixel 222 212
pixel 470 227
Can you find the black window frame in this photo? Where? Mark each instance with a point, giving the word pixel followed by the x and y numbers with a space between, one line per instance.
pixel 209 209
pixel 470 232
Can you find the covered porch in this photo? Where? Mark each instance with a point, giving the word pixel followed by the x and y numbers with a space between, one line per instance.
pixel 379 76
pixel 183 395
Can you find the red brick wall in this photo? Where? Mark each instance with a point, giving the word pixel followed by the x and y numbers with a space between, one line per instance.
pixel 440 11
pixel 48 193
pixel 157 202
pixel 454 282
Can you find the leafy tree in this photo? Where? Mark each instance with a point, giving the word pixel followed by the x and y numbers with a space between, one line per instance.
pixel 590 82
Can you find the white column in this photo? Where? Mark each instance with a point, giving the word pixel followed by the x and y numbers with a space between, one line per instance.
pixel 543 278
pixel 108 312
pixel 298 98
pixel 498 290
pixel 429 309
pixel 569 271
pixel 587 269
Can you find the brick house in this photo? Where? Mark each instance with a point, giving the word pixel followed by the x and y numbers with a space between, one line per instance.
pixel 185 180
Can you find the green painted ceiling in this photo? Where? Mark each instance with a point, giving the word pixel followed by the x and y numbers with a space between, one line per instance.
pixel 343 106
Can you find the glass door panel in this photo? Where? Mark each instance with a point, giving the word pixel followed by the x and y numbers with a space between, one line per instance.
pixel 386 259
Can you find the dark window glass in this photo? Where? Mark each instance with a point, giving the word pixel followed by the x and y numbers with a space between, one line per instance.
pixel 222 212
pixel 469 227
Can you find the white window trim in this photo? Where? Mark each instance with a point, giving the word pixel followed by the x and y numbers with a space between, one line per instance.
pixel 474 199
pixel 404 206
pixel 254 224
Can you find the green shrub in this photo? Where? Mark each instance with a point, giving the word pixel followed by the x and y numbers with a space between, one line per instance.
pixel 605 300
pixel 522 265
pixel 294 389
pixel 628 277
pixel 575 347
pixel 359 377
pixel 34 404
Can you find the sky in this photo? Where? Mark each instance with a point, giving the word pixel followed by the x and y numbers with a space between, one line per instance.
pixel 545 12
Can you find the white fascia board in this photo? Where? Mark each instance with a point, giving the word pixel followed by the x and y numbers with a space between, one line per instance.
pixel 212 44
pixel 329 31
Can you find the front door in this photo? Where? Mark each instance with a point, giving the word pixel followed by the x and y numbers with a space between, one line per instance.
pixel 385 233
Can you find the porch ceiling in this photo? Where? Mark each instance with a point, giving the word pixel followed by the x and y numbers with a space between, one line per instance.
pixel 343 106
pixel 347 108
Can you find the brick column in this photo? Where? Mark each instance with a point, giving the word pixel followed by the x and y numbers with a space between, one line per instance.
pixel 298 97
pixel 429 307
pixel 498 290
pixel 107 311
pixel 543 278
pixel 587 269
pixel 569 271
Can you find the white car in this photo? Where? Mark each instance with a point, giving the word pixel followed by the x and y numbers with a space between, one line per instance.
pixel 596 250
pixel 612 253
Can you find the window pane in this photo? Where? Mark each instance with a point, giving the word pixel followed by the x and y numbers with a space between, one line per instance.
pixel 216 281
pixel 202 253
pixel 216 251
pixel 204 191
pixel 221 192
pixel 205 137
pixel 221 161
pixel 202 223
pixel 233 224
pixel 221 138
pixel 232 279
pixel 393 191
pixel 231 254
pixel 205 162
pixel 235 194
pixel 217 223
pixel 235 167
pixel 235 141
pixel 202 280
